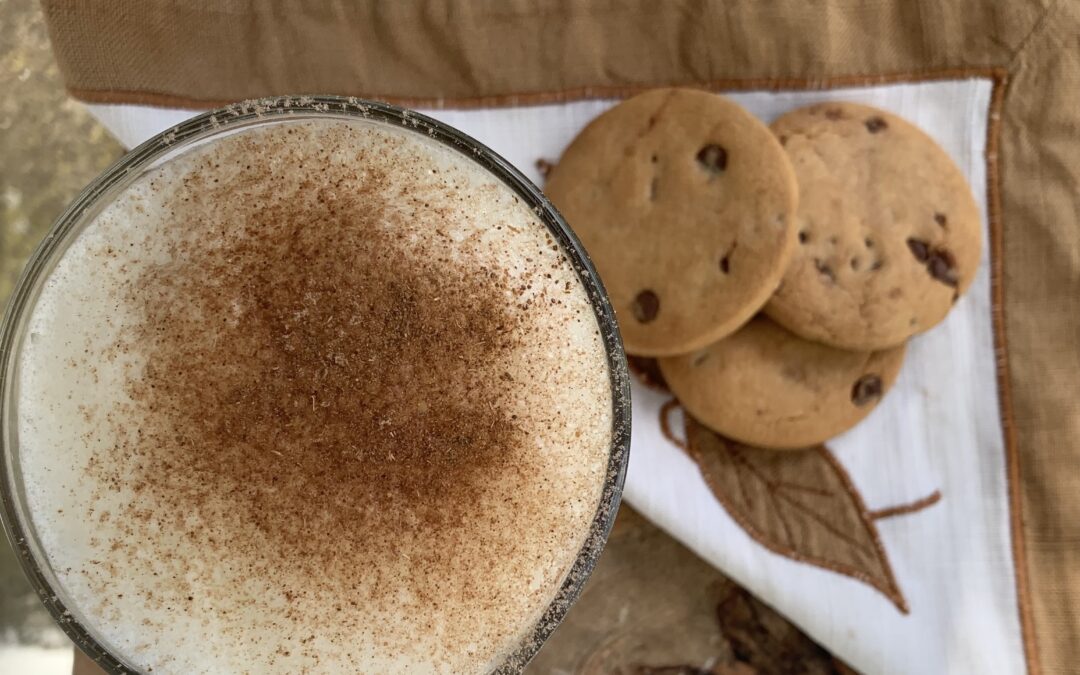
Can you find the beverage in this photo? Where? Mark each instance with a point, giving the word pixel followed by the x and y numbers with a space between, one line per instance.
pixel 319 395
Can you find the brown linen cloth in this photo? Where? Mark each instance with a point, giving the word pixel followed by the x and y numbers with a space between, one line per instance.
pixel 504 52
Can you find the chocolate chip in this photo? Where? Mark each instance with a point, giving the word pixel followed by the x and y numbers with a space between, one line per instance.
pixel 877 264
pixel 876 124
pixel 712 158
pixel 834 114
pixel 869 242
pixel 654 159
pixel 646 306
pixel 783 139
pixel 940 219
pixel 942 267
pixel 867 389
pixel 803 237
pixel 920 249
pixel 855 264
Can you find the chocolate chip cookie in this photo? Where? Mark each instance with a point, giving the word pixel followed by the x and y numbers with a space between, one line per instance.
pixel 889 232
pixel 686 204
pixel 766 386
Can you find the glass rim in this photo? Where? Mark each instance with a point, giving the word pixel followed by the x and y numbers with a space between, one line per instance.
pixel 13 516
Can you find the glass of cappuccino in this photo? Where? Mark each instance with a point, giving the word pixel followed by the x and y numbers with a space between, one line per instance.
pixel 311 385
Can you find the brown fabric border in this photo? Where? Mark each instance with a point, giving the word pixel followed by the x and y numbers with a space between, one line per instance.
pixel 416 50
pixel 562 96
pixel 1001 353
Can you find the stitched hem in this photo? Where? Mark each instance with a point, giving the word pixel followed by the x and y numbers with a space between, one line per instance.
pixel 165 100
pixel 1008 426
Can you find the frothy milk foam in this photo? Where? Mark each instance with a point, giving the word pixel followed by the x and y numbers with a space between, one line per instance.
pixel 318 396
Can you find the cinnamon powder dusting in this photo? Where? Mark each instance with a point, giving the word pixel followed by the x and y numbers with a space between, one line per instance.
pixel 339 407
pixel 355 392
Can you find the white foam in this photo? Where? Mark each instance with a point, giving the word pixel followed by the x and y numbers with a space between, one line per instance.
pixel 227 615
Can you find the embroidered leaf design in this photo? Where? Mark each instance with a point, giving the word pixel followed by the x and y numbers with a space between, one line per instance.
pixel 801 505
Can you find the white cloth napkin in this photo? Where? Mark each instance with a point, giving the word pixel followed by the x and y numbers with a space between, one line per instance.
pixel 938 430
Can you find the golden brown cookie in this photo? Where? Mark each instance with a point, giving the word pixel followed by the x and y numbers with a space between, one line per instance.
pixel 889 232
pixel 685 202
pixel 768 387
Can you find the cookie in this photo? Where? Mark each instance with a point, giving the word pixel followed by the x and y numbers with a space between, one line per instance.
pixel 767 387
pixel 889 232
pixel 685 202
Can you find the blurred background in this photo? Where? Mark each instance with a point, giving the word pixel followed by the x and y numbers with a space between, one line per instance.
pixel 51 148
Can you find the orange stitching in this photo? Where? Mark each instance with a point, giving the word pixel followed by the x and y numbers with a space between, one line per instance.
pixel 880 548
pixel 911 507
pixel 821 492
pixel 1001 352
pixel 774 489
pixel 741 461
pixel 890 589
pixel 823 521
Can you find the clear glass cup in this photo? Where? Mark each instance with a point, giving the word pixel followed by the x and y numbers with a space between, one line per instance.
pixel 212 125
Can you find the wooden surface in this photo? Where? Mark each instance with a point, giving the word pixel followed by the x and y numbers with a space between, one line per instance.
pixel 651 607
pixel 654 608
